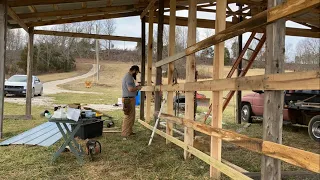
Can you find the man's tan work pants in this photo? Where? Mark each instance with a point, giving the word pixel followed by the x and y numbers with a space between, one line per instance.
pixel 129 116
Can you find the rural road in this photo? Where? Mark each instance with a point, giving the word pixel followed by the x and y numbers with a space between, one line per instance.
pixel 52 87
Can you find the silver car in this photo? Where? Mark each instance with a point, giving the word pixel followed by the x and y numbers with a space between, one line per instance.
pixel 17 85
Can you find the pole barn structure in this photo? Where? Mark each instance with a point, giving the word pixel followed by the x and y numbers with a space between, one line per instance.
pixel 257 16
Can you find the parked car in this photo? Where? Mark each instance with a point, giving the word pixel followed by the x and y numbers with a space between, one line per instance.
pixel 300 107
pixel 179 101
pixel 17 85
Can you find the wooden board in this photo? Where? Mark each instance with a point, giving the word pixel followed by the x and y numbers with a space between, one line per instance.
pixel 308 80
pixel 143 66
pixel 190 75
pixel 234 174
pixel 149 8
pixel 217 96
pixel 172 50
pixel 29 71
pixel 3 41
pixel 85 35
pixel 294 156
pixel 273 100
pixel 206 23
pixel 81 19
pixel 149 66
pixel 259 20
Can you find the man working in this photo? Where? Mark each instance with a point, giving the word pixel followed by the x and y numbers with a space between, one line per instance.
pixel 129 92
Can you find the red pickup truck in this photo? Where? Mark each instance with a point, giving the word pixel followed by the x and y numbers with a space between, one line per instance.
pixel 300 107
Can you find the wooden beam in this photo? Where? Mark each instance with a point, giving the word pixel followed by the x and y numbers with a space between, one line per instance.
pixel 143 65
pixel 149 7
pixel 217 96
pixel 190 74
pixel 172 50
pixel 259 20
pixel 30 91
pixel 85 35
pixel 308 80
pixel 16 18
pixel 232 173
pixel 158 97
pixel 3 41
pixel 289 7
pixel 149 65
pixel 273 100
pixel 77 12
pixel 294 156
pixel 81 19
pixel 43 2
pixel 205 23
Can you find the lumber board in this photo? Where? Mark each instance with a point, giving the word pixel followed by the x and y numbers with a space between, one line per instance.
pixel 81 19
pixel 149 66
pixel 294 156
pixel 29 72
pixel 143 66
pixel 308 80
pixel 77 12
pixel 158 96
pixel 85 35
pixel 290 7
pixel 217 96
pixel 206 23
pixel 3 41
pixel 259 20
pixel 190 74
pixel 273 100
pixel 172 45
pixel 234 174
pixel 148 8
pixel 16 18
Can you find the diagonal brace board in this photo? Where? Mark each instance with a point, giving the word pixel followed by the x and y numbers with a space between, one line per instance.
pixel 297 157
pixel 234 174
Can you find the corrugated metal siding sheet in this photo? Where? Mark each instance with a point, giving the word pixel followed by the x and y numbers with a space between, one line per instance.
pixel 45 134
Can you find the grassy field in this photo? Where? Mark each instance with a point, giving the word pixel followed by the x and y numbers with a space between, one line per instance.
pixel 131 159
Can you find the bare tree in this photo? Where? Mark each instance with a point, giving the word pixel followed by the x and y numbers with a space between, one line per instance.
pixel 109 27
pixel 308 51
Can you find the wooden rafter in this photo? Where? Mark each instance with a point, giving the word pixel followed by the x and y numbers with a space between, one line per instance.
pixel 81 19
pixel 85 35
pixel 43 2
pixel 15 17
pixel 257 21
pixel 150 6
pixel 76 12
pixel 205 23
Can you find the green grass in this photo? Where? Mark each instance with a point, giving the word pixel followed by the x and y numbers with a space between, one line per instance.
pixel 131 159
pixel 106 98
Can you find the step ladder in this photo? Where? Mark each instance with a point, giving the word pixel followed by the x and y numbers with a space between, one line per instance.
pixel 244 71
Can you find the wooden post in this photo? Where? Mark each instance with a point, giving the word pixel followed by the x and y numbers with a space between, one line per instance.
pixel 3 40
pixel 172 50
pixel 273 100
pixel 217 96
pixel 190 74
pixel 158 96
pixel 97 55
pixel 143 65
pixel 149 65
pixel 239 93
pixel 30 90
